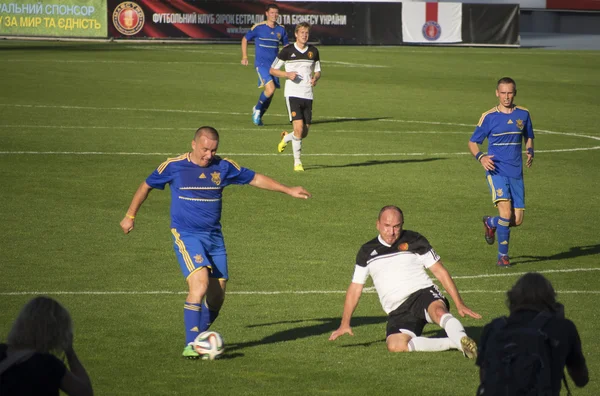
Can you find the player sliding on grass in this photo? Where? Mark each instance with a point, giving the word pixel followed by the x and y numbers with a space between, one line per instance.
pixel 196 180
pixel 396 261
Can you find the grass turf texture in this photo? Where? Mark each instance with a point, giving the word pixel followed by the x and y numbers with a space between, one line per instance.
pixel 83 124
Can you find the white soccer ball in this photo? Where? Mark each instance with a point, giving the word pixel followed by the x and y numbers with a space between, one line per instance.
pixel 209 345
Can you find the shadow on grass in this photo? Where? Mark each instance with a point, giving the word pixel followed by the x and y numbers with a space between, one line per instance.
pixel 325 327
pixel 372 163
pixel 576 251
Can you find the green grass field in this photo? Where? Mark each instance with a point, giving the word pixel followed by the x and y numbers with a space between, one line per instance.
pixel 81 125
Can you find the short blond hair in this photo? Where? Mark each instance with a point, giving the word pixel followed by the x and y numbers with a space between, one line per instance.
pixel 43 325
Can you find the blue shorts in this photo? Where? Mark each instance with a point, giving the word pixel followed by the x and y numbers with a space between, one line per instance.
pixel 507 189
pixel 195 250
pixel 264 77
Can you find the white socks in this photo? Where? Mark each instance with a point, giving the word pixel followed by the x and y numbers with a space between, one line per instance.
pixel 453 327
pixel 425 344
pixel 288 138
pixel 297 149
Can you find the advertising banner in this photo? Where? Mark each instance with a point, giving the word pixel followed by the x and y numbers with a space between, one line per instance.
pixel 331 23
pixel 222 20
pixel 53 18
pixel 432 22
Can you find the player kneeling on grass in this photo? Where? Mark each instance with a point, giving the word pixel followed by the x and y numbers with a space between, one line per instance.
pixel 396 260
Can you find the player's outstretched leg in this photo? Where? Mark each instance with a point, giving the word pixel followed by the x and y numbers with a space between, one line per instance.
pixel 456 332
pixel 490 231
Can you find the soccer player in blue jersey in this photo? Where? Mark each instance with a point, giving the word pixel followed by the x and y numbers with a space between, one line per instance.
pixel 506 127
pixel 196 181
pixel 266 35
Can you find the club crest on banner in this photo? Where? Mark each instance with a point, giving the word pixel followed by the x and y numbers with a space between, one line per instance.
pixel 128 18
pixel 432 30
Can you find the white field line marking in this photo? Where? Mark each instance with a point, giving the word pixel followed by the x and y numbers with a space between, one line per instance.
pixel 367 289
pixel 262 293
pixel 258 154
pixel 272 154
pixel 220 129
pixel 133 62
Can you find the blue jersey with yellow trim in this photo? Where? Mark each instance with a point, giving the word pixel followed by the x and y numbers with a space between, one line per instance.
pixel 196 191
pixel 266 41
pixel 505 134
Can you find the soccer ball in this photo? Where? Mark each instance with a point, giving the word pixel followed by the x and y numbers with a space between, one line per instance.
pixel 209 345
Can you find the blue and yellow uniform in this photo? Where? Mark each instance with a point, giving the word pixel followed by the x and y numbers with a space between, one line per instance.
pixel 196 203
pixel 266 42
pixel 505 134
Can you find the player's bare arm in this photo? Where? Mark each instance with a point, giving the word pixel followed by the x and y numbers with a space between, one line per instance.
pixel 485 160
pixel 352 296
pixel 283 74
pixel 244 51
pixel 315 78
pixel 267 183
pixel 442 274
pixel 529 151
pixel 139 197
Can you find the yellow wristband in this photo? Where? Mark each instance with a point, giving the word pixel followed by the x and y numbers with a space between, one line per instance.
pixel 130 216
pixel 245 58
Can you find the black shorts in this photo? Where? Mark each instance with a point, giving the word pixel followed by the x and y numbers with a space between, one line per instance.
pixel 410 315
pixel 299 109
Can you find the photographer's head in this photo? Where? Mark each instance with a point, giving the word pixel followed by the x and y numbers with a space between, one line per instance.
pixel 43 325
pixel 532 292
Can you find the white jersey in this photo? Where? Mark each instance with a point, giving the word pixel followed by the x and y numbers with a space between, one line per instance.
pixel 305 62
pixel 397 270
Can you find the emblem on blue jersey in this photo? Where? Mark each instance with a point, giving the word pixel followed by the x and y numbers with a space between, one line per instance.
pixel 499 192
pixel 279 35
pixel 403 247
pixel 509 122
pixel 520 124
pixel 202 176
pixel 432 30
pixel 216 178
pixel 198 259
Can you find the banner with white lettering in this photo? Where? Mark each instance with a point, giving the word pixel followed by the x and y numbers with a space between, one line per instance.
pixel 224 20
pixel 431 22
pixel 53 18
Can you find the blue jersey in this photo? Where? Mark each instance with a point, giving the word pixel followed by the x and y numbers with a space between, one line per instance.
pixel 196 191
pixel 505 134
pixel 266 41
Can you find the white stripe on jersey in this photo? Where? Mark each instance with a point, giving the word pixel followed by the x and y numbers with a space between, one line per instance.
pixel 396 276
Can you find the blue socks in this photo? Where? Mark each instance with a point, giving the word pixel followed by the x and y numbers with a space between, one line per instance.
pixel 207 317
pixel 263 103
pixel 503 235
pixel 191 320
pixel 492 221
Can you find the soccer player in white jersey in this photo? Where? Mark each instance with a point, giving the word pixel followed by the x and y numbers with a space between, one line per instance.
pixel 396 261
pixel 302 71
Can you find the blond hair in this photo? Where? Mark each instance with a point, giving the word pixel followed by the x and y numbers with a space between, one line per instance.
pixel 43 325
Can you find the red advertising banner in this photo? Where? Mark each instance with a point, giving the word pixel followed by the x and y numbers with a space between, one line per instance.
pixel 573 4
